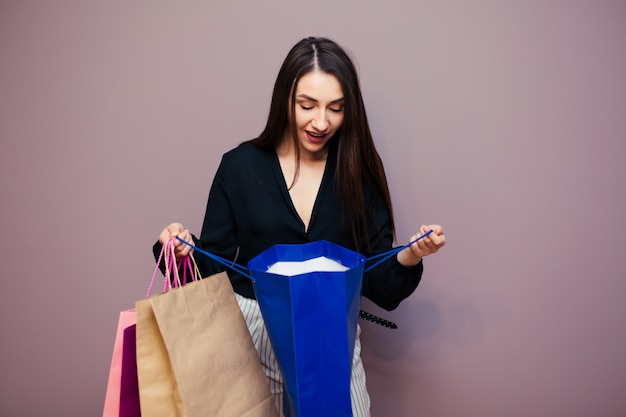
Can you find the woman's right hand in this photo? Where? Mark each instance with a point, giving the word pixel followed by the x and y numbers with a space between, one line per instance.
pixel 171 232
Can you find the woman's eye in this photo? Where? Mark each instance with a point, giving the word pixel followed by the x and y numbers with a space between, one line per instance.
pixel 336 109
pixel 303 107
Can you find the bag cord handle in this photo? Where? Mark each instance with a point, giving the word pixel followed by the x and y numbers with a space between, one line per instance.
pixel 229 264
pixel 168 256
pixel 362 314
pixel 394 251
pixel 245 271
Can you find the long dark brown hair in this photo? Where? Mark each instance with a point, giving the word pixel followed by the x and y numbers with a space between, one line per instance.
pixel 358 162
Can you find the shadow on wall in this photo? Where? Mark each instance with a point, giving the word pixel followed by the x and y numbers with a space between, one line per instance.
pixel 386 345
pixel 427 322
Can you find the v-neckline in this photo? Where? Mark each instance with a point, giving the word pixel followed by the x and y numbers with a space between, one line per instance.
pixel 280 176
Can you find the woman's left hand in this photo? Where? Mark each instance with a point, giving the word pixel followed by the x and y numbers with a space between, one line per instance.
pixel 423 247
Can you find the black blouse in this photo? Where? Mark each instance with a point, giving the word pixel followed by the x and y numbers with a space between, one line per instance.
pixel 249 210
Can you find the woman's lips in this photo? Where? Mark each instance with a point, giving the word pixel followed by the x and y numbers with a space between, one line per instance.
pixel 315 137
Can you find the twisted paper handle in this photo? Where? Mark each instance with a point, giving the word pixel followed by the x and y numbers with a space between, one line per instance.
pixel 168 256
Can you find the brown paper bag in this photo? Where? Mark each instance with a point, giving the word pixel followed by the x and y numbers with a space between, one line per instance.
pixel 158 391
pixel 195 356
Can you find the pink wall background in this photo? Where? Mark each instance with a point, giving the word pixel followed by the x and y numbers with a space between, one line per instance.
pixel 503 121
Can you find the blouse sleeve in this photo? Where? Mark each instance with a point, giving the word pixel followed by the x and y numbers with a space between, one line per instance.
pixel 218 236
pixel 390 282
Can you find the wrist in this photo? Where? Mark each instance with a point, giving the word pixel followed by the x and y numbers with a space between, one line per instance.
pixel 406 257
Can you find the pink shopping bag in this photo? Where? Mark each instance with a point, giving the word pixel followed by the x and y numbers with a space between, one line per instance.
pixel 126 319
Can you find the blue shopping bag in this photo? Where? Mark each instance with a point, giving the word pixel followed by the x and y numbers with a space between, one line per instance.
pixel 311 319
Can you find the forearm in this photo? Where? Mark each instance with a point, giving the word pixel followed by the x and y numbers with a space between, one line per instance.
pixel 406 257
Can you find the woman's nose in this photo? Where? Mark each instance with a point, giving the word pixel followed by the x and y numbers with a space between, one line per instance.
pixel 320 122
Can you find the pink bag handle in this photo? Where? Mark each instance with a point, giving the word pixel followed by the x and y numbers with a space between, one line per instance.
pixel 188 265
pixel 168 256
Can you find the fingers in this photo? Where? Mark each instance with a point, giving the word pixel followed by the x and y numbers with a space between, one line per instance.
pixel 182 249
pixel 177 230
pixel 437 238
pixel 170 232
pixel 429 244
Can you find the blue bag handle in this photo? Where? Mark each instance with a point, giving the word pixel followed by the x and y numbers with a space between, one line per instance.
pixel 245 271
pixel 394 251
pixel 363 314
pixel 229 264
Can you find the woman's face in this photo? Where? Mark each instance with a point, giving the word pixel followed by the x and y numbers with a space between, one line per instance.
pixel 318 112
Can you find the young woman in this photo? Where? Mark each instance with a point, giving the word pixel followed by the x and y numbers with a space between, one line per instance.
pixel 313 174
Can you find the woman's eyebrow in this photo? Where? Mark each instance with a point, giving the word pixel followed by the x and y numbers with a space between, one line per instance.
pixel 306 97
